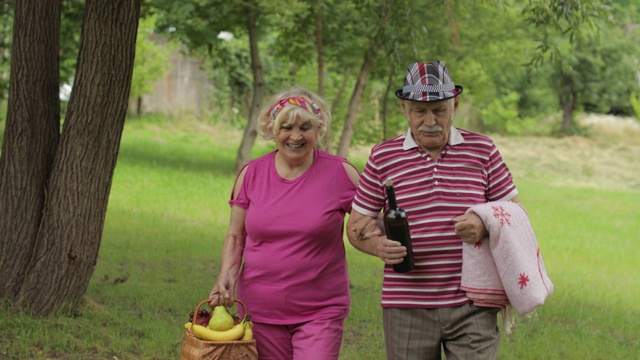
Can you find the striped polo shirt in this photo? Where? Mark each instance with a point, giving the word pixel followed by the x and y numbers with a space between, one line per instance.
pixel 470 171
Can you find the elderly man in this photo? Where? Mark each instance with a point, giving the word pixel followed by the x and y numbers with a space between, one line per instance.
pixel 439 172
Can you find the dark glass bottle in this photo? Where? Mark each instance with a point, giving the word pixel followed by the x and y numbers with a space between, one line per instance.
pixel 397 227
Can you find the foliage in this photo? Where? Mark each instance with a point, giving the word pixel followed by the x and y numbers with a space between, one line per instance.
pixel 582 45
pixel 151 59
pixel 561 19
pixel 500 113
pixel 468 35
pixel 214 31
pixel 593 65
pixel 230 72
pixel 6 23
pixel 70 30
pixel 566 36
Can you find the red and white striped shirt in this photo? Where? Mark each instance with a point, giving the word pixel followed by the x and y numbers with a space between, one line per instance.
pixel 469 171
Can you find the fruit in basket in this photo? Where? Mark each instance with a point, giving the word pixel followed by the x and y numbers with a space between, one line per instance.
pixel 233 334
pixel 248 331
pixel 202 318
pixel 221 320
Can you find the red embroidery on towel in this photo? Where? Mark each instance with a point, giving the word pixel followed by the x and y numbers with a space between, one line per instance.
pixel 524 279
pixel 478 245
pixel 502 215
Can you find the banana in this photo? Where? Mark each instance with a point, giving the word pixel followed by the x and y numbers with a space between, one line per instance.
pixel 248 331
pixel 235 333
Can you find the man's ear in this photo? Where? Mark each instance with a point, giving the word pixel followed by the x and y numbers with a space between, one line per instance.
pixel 403 108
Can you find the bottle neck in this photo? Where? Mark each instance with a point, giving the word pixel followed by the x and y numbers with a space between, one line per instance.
pixel 391 196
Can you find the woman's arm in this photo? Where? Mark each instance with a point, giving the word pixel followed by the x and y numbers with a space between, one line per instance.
pixel 232 249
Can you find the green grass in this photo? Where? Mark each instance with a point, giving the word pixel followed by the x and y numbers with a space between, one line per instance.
pixel 165 224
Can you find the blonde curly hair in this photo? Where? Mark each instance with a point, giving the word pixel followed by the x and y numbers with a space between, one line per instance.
pixel 269 127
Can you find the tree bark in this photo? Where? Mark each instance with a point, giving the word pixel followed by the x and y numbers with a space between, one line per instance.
pixel 31 136
pixel 354 103
pixel 385 103
pixel 320 70
pixel 569 105
pixel 320 49
pixel 70 228
pixel 250 132
pixel 328 140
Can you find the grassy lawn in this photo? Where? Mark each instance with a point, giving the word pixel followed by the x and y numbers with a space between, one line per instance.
pixel 168 214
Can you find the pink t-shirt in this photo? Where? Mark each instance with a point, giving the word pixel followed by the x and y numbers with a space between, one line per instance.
pixel 295 268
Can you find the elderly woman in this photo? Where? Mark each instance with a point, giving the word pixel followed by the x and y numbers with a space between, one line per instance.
pixel 287 219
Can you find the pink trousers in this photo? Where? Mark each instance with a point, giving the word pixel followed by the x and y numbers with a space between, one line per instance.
pixel 313 340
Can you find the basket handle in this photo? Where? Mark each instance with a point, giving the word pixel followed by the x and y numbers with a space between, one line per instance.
pixel 195 311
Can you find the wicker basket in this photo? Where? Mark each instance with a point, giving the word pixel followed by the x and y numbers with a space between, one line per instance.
pixel 197 349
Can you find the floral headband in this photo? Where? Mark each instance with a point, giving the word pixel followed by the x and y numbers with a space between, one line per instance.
pixel 300 101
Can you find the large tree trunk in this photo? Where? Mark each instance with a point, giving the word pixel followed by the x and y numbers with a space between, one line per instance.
pixel 31 136
pixel 70 230
pixel 354 103
pixel 250 132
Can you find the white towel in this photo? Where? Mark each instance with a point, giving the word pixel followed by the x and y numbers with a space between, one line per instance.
pixel 506 268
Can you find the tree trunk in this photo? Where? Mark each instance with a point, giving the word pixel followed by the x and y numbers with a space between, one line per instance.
pixel 385 103
pixel 250 132
pixel 70 230
pixel 354 103
pixel 567 99
pixel 320 60
pixel 320 48
pixel 453 29
pixel 328 140
pixel 31 136
pixel 343 85
pixel 139 106
pixel 569 104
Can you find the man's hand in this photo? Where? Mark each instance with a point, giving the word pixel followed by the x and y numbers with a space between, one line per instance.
pixel 390 251
pixel 470 228
pixel 367 235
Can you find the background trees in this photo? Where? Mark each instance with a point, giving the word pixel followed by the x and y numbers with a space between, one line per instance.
pixel 520 64
pixel 525 69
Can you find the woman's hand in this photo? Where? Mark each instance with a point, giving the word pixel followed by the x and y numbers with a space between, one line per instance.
pixel 366 228
pixel 223 291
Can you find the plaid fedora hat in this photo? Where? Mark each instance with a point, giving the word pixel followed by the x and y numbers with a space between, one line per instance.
pixel 427 82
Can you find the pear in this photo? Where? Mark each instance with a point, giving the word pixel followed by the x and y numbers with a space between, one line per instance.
pixel 221 320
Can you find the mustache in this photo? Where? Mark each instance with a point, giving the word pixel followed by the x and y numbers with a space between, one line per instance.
pixel 430 129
